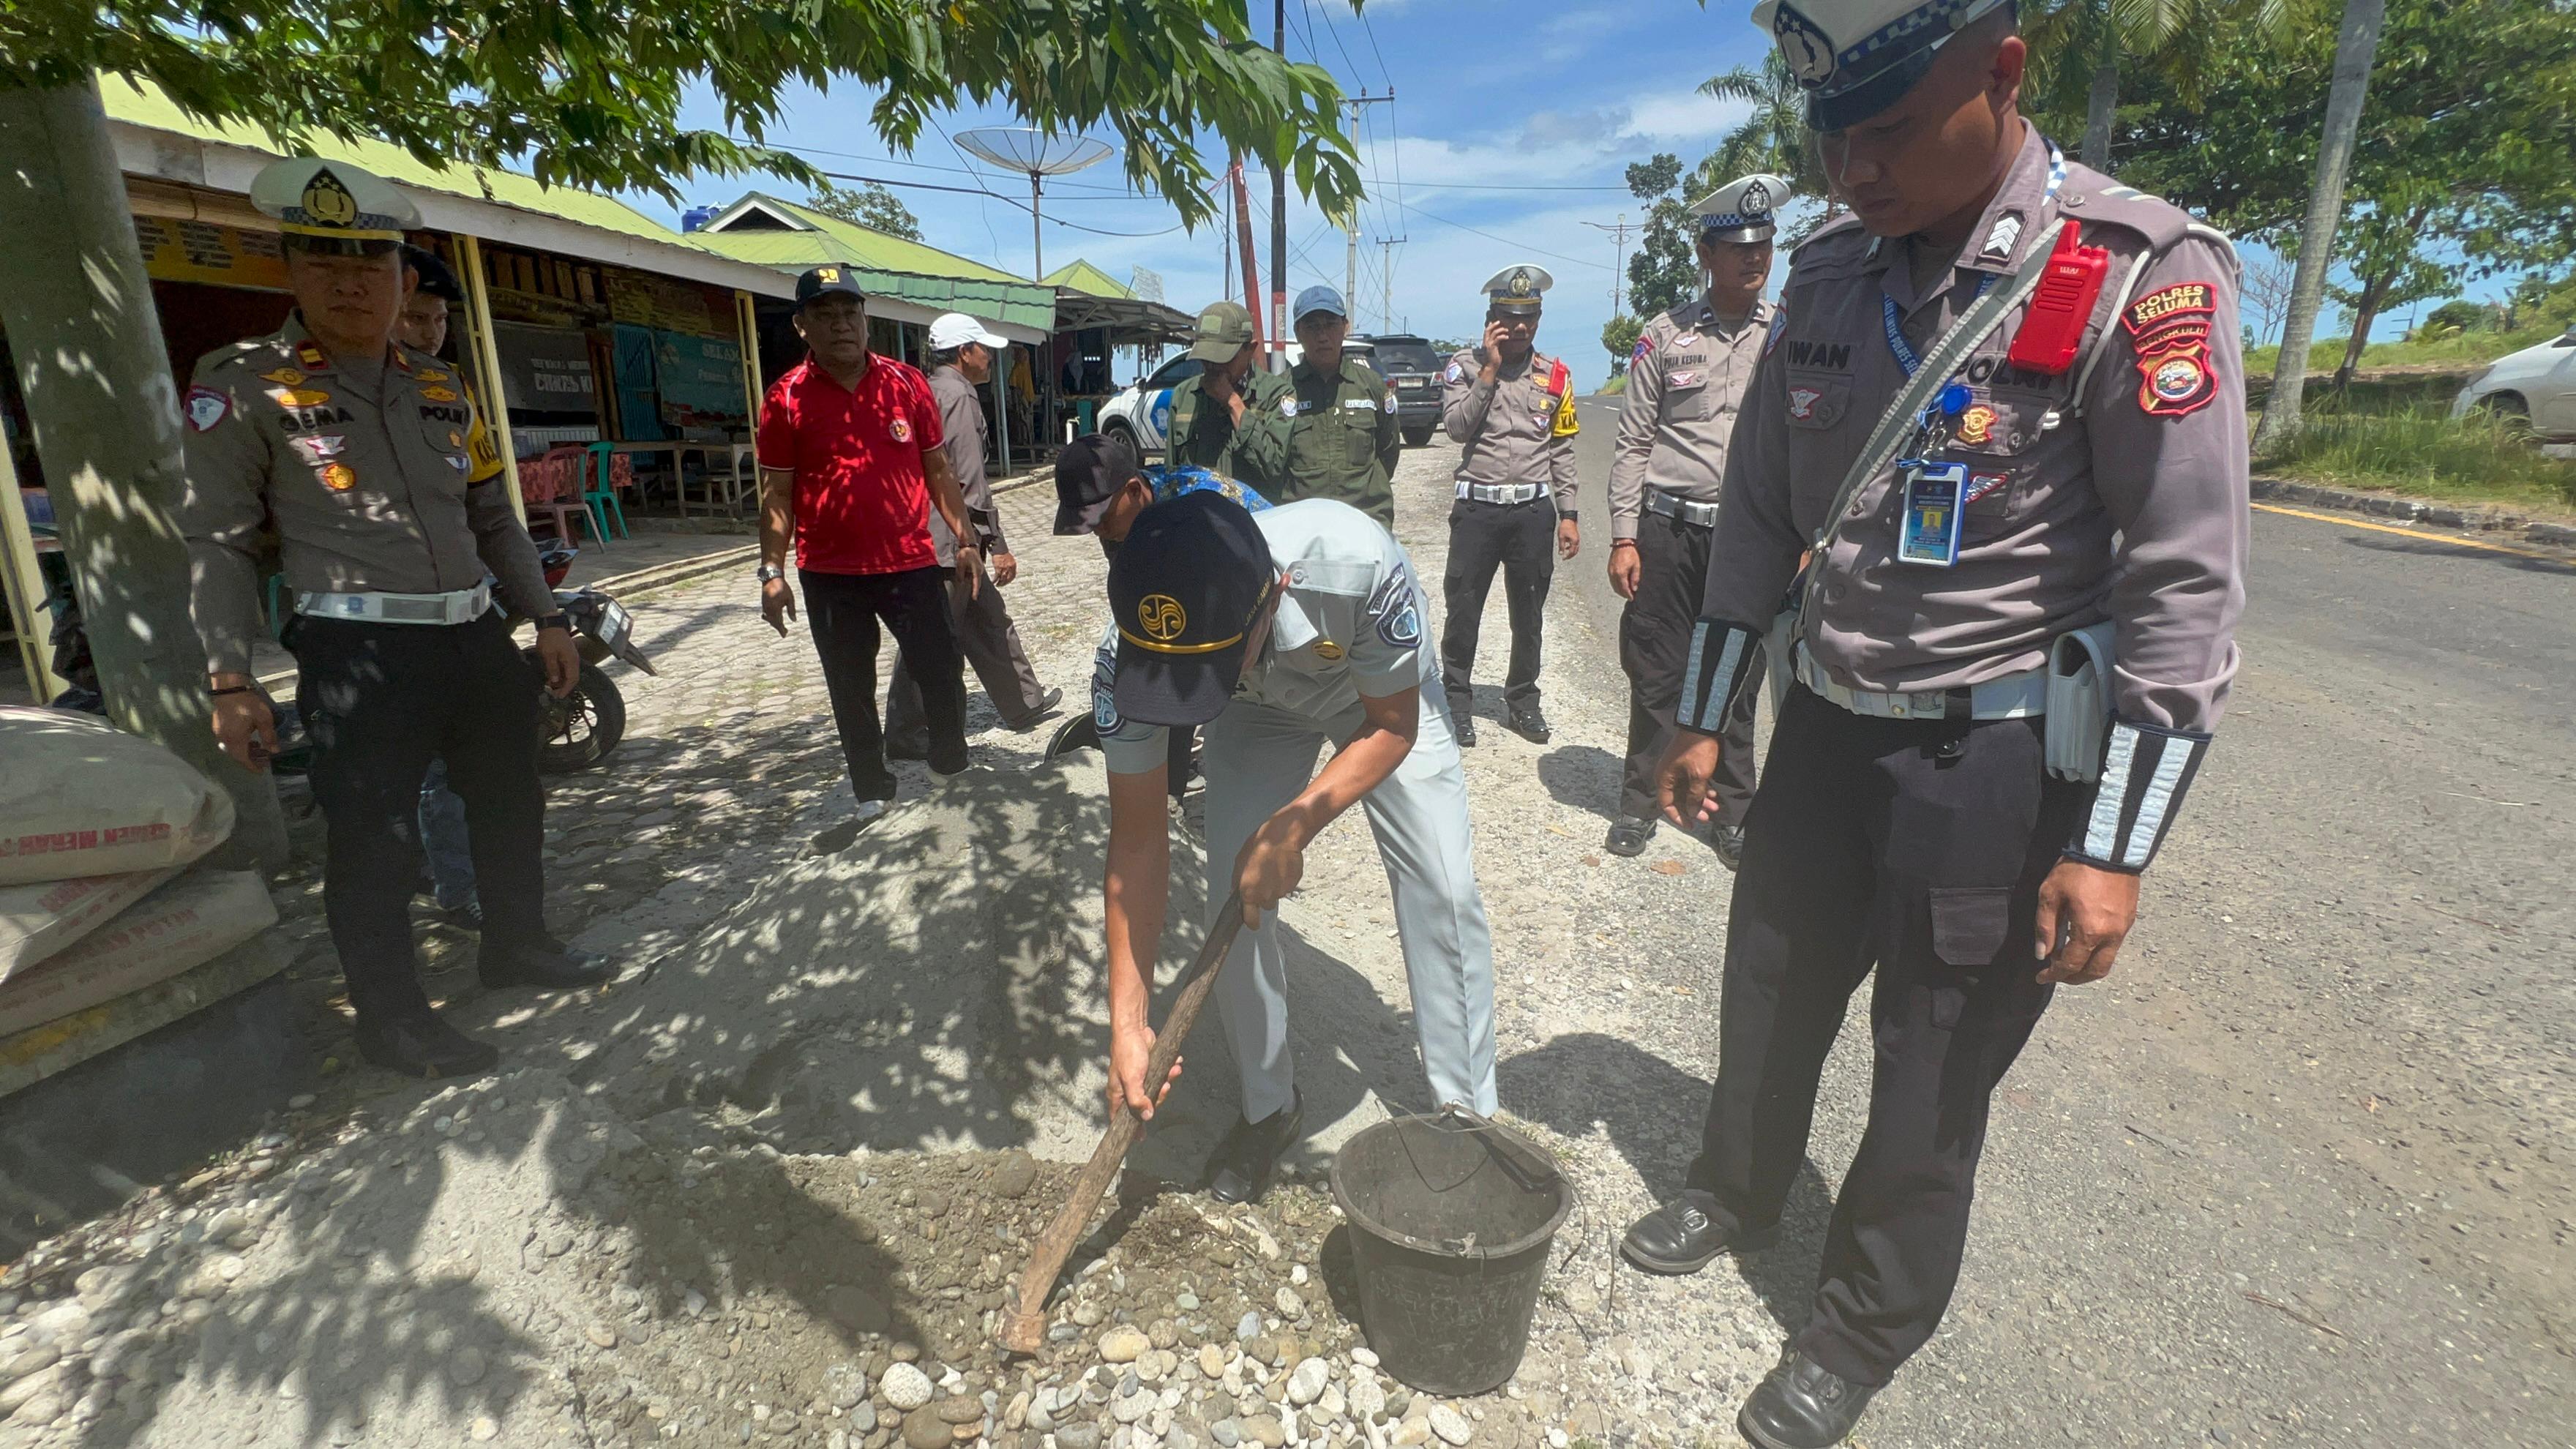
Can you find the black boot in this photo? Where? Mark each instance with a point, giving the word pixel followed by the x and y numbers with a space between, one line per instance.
pixel 424 1046
pixel 1683 1236
pixel 1527 721
pixel 1628 835
pixel 1802 1405
pixel 1240 1168
pixel 545 963
pixel 1462 723
pixel 1728 842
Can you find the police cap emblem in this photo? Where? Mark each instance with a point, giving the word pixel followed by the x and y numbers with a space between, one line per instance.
pixel 327 202
pixel 1804 46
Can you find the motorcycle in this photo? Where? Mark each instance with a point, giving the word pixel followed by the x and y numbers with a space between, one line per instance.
pixel 580 729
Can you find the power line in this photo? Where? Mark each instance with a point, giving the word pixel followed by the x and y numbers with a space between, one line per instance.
pixel 1507 241
pixel 1485 186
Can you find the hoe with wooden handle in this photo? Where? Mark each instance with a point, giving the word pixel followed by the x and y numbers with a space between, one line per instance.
pixel 1023 1329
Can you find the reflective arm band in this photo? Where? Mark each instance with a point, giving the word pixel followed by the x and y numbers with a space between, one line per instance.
pixel 2145 771
pixel 1719 654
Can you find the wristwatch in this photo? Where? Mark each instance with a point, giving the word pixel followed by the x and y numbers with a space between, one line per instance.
pixel 767 573
pixel 555 621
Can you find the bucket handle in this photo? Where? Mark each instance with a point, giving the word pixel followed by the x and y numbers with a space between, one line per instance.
pixel 1520 1162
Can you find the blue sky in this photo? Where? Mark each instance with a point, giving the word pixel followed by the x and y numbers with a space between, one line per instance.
pixel 1506 111
pixel 1498 94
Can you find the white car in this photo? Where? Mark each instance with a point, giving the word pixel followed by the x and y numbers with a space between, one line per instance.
pixel 1143 413
pixel 2535 387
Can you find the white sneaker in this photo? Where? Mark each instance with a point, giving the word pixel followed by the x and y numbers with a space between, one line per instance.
pixel 944 776
pixel 836 837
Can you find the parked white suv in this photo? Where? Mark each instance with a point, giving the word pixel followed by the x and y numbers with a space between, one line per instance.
pixel 2536 387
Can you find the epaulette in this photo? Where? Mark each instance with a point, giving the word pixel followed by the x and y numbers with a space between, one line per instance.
pixel 252 350
pixel 1838 246
pixel 2157 222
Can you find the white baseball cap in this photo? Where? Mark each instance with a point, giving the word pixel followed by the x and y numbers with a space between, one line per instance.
pixel 953 330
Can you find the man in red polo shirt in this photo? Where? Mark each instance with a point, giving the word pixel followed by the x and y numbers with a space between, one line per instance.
pixel 850 464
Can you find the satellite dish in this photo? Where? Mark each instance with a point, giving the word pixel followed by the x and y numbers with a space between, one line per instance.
pixel 1037 155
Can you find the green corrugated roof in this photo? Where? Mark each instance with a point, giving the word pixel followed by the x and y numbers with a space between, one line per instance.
pixel 889 265
pixel 147 106
pixel 1082 276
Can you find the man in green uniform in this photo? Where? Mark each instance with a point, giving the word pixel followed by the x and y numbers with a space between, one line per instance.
pixel 1343 438
pixel 1209 426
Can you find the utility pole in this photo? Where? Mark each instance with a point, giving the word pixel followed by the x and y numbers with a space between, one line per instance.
pixel 1619 253
pixel 1351 223
pixel 1386 274
pixel 1278 218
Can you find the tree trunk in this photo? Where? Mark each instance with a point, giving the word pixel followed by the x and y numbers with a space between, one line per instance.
pixel 78 310
pixel 2365 310
pixel 2102 107
pixel 2355 46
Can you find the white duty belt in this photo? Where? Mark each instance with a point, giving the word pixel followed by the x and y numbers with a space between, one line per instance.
pixel 1680 509
pixel 463 606
pixel 2015 696
pixel 1503 493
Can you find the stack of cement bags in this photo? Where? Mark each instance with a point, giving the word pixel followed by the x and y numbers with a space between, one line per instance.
pixel 97 831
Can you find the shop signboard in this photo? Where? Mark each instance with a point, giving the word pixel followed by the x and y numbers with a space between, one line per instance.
pixel 545 369
pixel 201 251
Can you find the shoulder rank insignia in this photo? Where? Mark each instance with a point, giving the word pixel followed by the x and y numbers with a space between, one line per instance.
pixel 311 356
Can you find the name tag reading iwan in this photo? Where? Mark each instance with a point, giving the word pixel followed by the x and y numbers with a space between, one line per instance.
pixel 1934 495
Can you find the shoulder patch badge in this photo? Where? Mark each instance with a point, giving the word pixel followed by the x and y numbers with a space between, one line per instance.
pixel 1459 374
pixel 205 407
pixel 1636 354
pixel 2169 329
pixel 1779 324
pixel 1399 618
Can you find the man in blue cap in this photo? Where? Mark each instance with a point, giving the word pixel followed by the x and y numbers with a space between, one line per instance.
pixel 2003 412
pixel 1343 437
pixel 1279 633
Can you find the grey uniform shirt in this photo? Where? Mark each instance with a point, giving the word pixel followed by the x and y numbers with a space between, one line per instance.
pixel 374 485
pixel 1349 624
pixel 2114 490
pixel 1515 429
pixel 963 432
pixel 1686 384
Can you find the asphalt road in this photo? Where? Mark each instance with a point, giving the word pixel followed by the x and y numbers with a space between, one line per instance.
pixel 2301 1170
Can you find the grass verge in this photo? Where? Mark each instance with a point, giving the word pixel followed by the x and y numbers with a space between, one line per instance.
pixel 2421 452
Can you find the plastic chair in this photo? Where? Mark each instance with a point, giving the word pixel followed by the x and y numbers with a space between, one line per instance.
pixel 599 493
pixel 551 487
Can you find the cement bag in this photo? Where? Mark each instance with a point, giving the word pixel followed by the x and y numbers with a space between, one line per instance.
pixel 40 919
pixel 80 797
pixel 186 923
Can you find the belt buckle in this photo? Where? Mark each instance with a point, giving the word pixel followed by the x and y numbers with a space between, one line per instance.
pixel 1929 704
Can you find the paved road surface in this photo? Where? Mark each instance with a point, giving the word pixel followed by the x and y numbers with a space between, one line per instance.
pixel 2300 1171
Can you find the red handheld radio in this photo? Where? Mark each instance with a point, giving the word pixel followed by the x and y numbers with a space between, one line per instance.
pixel 2052 332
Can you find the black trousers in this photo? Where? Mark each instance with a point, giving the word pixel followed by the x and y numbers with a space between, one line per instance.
pixel 1654 645
pixel 845 610
pixel 1520 540
pixel 1916 847
pixel 991 644
pixel 381 701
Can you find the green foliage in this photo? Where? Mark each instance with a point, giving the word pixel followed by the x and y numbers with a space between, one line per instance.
pixel 1665 267
pixel 2421 451
pixel 1619 339
pixel 1774 138
pixel 590 94
pixel 2458 315
pixel 870 206
pixel 2457 353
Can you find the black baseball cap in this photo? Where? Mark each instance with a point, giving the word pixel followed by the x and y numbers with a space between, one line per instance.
pixel 829 280
pixel 1186 589
pixel 435 278
pixel 1088 473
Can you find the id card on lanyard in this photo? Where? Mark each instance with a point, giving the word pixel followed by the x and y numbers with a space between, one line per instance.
pixel 1934 496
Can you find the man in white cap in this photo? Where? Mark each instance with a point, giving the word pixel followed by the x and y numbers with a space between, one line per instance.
pixel 373 467
pixel 2003 412
pixel 961 360
pixel 1510 407
pixel 1686 380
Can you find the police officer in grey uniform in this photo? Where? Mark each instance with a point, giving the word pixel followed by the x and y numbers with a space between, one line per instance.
pixel 1686 380
pixel 1279 633
pixel 385 491
pixel 2005 413
pixel 961 354
pixel 1511 407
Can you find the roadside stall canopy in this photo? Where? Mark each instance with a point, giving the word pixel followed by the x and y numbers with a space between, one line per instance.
pixel 906 281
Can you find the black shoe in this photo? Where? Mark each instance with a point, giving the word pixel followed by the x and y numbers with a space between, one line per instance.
pixel 1048 703
pixel 425 1046
pixel 1728 842
pixel 1463 725
pixel 1628 835
pixel 908 749
pixel 467 917
pixel 1240 1168
pixel 1682 1236
pixel 1526 721
pixel 1802 1405
pixel 547 964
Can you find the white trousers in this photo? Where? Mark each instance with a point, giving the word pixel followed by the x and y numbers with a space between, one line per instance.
pixel 1256 759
